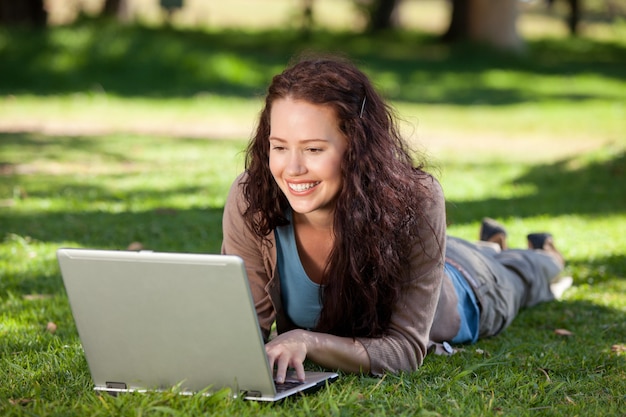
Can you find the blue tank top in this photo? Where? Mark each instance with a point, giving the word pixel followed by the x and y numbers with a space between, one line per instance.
pixel 301 297
pixel 467 307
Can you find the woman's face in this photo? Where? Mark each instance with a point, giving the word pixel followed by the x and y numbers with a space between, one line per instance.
pixel 306 150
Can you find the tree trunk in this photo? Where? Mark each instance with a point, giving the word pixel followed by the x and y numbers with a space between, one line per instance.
pixel 574 17
pixel 493 22
pixel 111 8
pixel 459 21
pixel 23 12
pixel 117 9
pixel 307 17
pixel 383 15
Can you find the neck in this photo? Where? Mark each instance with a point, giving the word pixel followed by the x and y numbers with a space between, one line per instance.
pixel 318 221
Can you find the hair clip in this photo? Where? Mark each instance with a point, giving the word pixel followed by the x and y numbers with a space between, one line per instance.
pixel 362 107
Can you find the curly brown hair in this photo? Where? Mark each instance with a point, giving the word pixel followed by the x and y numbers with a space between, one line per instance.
pixel 378 209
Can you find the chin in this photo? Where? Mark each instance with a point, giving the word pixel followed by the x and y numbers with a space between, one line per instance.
pixel 302 210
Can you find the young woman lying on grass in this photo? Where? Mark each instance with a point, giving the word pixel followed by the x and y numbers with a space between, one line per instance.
pixel 344 239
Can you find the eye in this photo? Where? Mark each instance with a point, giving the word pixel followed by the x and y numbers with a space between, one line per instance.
pixel 314 150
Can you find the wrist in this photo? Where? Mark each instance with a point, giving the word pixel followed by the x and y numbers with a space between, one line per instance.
pixel 307 338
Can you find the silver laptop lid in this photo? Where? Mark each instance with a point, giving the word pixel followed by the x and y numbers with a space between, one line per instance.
pixel 155 320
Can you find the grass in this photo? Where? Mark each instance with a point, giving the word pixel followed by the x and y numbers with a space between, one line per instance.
pixel 103 145
pixel 94 192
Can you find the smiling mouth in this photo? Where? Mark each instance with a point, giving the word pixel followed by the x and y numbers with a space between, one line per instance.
pixel 302 187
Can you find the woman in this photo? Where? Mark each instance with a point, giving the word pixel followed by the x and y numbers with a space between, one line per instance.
pixel 344 240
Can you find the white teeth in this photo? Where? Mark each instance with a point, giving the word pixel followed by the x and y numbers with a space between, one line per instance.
pixel 302 187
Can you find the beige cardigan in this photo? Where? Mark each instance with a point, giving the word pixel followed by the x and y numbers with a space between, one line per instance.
pixel 426 310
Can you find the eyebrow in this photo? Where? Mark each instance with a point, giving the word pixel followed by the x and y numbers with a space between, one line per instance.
pixel 272 138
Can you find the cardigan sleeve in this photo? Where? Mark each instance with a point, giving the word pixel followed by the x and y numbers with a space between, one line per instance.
pixel 239 240
pixel 404 345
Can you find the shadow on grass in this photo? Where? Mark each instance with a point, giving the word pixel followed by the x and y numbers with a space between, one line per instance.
pixel 533 341
pixel 141 213
pixel 578 316
pixel 599 270
pixel 41 147
pixel 163 230
pixel 562 188
pixel 133 61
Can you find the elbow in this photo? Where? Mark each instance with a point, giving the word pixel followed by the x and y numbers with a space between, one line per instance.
pixel 406 361
pixel 395 354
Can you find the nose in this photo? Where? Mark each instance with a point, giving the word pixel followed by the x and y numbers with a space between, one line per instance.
pixel 295 164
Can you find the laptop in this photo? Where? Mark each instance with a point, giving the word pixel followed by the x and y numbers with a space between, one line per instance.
pixel 157 321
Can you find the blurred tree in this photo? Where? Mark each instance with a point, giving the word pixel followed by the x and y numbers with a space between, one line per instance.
pixel 307 17
pixel 379 14
pixel 459 21
pixel 23 12
pixel 117 9
pixel 574 15
pixel 170 6
pixel 384 15
pixel 111 7
pixel 492 22
pixel 488 21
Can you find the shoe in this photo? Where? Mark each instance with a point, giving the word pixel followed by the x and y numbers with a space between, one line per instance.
pixel 545 241
pixel 537 240
pixel 561 285
pixel 492 231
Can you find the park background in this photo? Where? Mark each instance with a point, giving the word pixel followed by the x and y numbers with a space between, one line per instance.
pixel 127 130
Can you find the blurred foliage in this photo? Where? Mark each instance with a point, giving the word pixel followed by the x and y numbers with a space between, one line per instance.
pixel 102 56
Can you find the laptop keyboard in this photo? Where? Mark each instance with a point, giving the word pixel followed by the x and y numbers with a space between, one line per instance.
pixel 287 385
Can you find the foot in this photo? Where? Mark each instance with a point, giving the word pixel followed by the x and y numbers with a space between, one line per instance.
pixel 559 286
pixel 492 231
pixel 545 241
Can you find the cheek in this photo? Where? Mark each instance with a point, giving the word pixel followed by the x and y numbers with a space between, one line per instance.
pixel 275 166
pixel 335 173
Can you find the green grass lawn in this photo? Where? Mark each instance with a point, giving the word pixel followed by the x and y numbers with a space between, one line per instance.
pixel 103 143
pixel 109 191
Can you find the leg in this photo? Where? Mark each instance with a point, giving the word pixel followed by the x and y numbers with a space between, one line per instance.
pixel 538 268
pixel 545 242
pixel 492 231
pixel 500 291
pixel 505 282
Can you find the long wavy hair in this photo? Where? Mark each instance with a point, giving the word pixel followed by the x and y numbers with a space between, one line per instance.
pixel 378 209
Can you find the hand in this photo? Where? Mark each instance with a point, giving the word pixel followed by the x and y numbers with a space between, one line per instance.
pixel 288 350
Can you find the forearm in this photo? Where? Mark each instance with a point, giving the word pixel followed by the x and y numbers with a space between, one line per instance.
pixel 334 352
pixel 289 350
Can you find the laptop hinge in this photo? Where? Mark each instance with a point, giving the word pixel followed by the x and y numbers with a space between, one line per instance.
pixel 255 394
pixel 115 387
